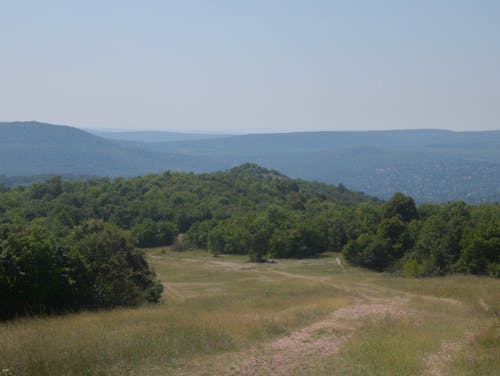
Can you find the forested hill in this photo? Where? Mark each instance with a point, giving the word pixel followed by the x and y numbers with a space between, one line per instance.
pixel 180 198
pixel 429 165
pixel 33 148
pixel 67 245
pixel 156 208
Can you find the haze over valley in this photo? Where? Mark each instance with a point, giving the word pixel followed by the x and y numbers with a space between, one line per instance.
pixel 429 165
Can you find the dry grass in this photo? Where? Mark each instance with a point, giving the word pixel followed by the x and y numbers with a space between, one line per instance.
pixel 481 356
pixel 217 312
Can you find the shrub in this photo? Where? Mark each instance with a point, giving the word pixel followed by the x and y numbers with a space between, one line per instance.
pixel 100 269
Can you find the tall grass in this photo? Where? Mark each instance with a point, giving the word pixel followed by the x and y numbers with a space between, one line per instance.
pixel 481 357
pixel 243 308
pixel 387 347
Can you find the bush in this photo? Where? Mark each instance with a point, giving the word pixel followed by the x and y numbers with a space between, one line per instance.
pixel 114 271
pixel 100 269
pixel 303 240
pixel 369 251
pixel 148 233
pixel 35 274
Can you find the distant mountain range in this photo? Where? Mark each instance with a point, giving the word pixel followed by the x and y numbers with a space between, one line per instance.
pixel 430 165
pixel 29 148
pixel 152 136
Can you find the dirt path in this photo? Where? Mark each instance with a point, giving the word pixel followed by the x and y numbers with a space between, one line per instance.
pixel 171 293
pixel 327 337
pixel 437 363
pixel 322 338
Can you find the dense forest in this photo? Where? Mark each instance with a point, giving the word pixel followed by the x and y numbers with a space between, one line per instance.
pixel 67 245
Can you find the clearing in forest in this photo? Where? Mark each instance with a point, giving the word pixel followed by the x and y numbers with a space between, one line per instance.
pixel 225 316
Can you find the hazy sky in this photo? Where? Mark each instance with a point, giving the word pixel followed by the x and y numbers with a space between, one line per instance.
pixel 247 66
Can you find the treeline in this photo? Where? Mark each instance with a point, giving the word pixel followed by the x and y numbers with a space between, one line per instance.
pixel 154 209
pixel 71 244
pixel 12 181
pixel 434 240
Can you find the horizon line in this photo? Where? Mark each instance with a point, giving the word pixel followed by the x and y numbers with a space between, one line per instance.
pixel 245 133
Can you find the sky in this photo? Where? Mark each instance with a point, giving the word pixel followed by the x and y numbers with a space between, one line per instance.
pixel 252 66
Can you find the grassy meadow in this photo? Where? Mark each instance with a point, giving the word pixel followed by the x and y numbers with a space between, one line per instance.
pixel 225 316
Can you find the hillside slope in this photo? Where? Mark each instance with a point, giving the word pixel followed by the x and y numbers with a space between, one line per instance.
pixel 30 148
pixel 152 136
pixel 430 165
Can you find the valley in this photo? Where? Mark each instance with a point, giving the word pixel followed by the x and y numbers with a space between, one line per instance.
pixel 430 165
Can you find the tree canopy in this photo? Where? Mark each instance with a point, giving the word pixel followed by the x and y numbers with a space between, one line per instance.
pixel 66 245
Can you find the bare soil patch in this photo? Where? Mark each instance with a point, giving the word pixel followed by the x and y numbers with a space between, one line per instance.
pixel 322 338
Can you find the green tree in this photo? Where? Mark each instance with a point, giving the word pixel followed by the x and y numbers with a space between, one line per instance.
pixel 480 243
pixel 216 240
pixel 115 271
pixel 401 206
pixel 367 218
pixel 395 233
pixel 304 239
pixel 261 230
pixel 33 274
pixel 369 251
